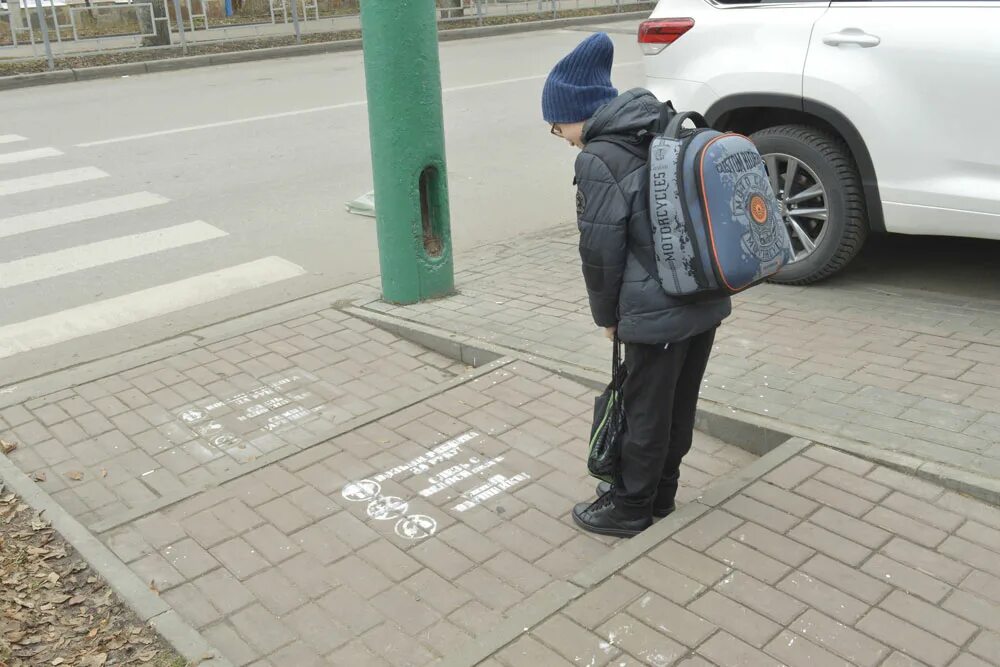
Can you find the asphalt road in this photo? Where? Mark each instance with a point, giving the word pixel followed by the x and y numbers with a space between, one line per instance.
pixel 136 208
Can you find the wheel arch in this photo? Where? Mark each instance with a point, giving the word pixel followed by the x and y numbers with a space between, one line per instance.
pixel 752 112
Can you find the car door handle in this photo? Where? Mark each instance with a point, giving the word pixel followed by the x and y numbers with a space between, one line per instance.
pixel 853 37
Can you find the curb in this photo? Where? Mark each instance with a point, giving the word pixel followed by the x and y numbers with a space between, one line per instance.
pixel 756 438
pixel 754 433
pixel 550 600
pixel 29 389
pixel 250 55
pixel 148 606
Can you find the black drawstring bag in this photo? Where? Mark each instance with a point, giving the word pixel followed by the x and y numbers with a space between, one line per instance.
pixel 608 428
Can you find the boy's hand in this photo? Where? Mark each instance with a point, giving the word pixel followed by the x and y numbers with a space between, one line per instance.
pixel 609 332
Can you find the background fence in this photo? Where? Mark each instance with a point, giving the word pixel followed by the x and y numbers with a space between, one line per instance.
pixel 81 27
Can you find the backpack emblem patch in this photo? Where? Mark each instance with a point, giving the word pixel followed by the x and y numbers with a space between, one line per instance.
pixel 762 238
pixel 581 203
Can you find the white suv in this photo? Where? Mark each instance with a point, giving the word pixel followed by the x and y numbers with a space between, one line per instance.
pixel 874 116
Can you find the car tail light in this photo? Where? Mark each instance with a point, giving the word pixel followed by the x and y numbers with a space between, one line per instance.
pixel 657 34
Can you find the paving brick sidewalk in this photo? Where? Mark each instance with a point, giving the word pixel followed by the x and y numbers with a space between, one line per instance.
pixel 824 560
pixel 397 542
pixel 320 492
pixel 906 372
pixel 165 429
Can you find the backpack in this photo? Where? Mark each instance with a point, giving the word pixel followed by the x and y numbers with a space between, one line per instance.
pixel 717 226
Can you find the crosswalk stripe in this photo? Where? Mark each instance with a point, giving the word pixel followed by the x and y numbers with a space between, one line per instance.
pixel 24 156
pixel 11 138
pixel 28 183
pixel 120 311
pixel 53 217
pixel 79 258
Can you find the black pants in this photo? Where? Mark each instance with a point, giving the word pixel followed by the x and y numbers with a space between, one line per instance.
pixel 661 395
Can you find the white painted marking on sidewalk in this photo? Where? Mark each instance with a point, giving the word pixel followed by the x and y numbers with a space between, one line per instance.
pixel 24 156
pixel 128 309
pixel 53 217
pixel 11 138
pixel 41 181
pixel 300 112
pixel 90 255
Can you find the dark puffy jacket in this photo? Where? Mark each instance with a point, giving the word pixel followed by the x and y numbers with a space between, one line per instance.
pixel 613 216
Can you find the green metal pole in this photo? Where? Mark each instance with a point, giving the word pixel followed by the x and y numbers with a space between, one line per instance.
pixel 407 139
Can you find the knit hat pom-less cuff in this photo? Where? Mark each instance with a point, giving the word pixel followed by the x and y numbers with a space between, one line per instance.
pixel 580 83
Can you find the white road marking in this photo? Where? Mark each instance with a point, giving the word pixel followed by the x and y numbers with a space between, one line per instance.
pixel 53 217
pixel 224 123
pixel 24 156
pixel 41 181
pixel 128 309
pixel 300 112
pixel 90 255
pixel 11 138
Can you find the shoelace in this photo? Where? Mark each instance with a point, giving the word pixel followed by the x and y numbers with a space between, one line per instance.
pixel 601 502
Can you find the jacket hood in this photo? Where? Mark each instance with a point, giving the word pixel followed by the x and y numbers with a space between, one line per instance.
pixel 628 114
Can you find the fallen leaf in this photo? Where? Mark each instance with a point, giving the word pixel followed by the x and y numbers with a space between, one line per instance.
pixel 57 662
pixel 93 633
pixel 152 587
pixel 104 472
pixel 39 523
pixel 40 476
pixel 147 655
pixel 78 600
pixel 96 660
pixel 6 446
pixel 75 475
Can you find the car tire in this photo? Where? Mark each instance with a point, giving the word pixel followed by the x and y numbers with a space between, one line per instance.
pixel 826 159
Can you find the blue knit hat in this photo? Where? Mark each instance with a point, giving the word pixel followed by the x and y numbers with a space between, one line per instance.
pixel 580 83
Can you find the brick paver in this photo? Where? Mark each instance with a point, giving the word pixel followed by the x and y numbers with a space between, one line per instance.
pixel 171 427
pixel 909 372
pixel 822 610
pixel 405 538
pixel 434 524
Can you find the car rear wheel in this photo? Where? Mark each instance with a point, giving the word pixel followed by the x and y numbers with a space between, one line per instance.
pixel 822 200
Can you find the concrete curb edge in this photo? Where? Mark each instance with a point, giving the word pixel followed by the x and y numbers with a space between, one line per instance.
pixel 250 55
pixel 23 391
pixel 135 593
pixel 550 600
pixel 755 433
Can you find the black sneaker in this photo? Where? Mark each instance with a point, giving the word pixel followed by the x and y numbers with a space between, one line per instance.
pixel 659 511
pixel 600 517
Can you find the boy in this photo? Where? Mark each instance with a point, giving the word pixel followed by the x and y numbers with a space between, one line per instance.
pixel 667 340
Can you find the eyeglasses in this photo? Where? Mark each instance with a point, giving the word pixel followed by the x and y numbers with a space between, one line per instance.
pixel 556 130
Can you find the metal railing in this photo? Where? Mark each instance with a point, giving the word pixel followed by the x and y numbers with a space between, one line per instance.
pixel 77 27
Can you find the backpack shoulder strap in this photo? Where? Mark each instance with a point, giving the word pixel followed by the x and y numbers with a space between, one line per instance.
pixel 673 129
pixel 667 113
